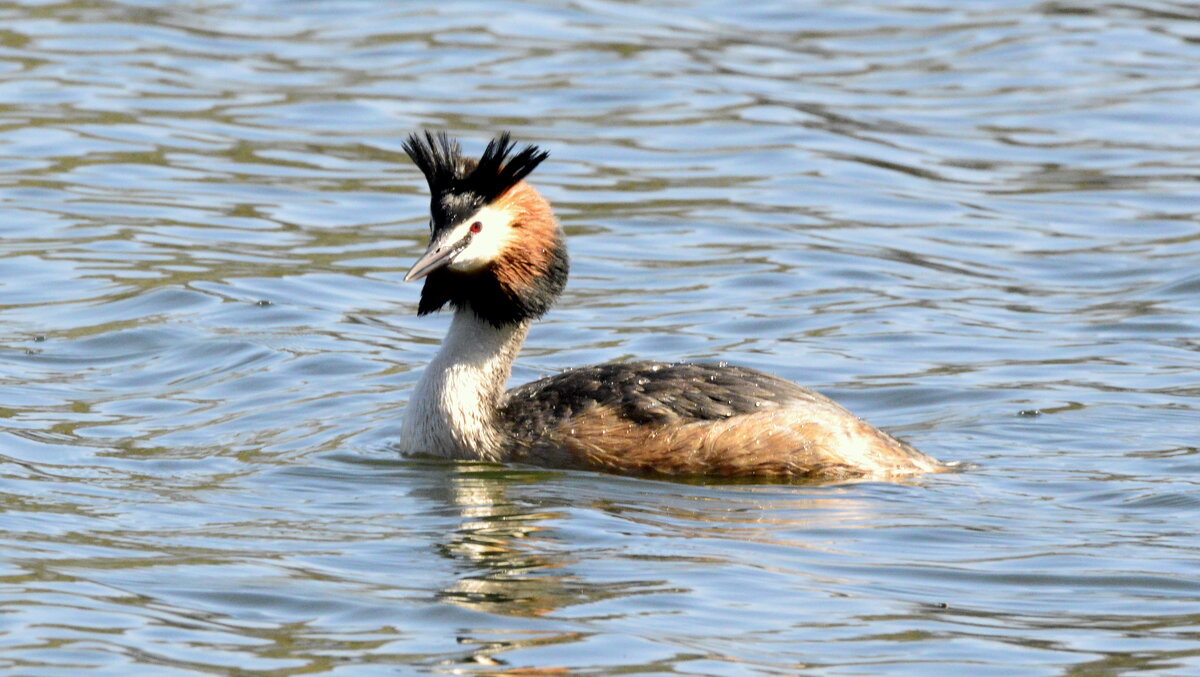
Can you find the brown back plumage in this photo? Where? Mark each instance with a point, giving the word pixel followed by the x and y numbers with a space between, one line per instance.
pixel 696 419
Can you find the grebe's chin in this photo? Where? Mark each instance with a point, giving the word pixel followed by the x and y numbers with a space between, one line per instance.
pixel 496 256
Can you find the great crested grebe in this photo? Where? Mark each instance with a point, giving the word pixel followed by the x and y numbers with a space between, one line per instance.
pixel 496 255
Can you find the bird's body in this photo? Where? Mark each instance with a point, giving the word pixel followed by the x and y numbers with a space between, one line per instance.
pixel 496 255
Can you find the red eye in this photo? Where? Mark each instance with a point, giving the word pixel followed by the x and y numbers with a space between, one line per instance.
pixel 477 226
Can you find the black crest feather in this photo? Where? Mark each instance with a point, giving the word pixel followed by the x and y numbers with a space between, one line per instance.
pixel 441 160
pixel 438 157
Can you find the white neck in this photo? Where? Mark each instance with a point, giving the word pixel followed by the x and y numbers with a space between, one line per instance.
pixel 452 411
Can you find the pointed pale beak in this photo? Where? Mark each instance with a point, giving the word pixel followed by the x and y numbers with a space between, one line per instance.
pixel 440 254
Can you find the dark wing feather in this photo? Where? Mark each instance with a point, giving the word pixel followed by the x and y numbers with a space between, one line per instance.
pixel 650 393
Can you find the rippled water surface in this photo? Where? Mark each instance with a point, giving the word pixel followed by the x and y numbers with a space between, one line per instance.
pixel 973 223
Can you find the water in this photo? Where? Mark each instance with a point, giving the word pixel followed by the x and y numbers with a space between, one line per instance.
pixel 973 223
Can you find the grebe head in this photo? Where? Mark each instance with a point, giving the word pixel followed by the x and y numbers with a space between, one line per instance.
pixel 495 247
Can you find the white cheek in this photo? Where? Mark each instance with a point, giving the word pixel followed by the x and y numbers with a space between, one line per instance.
pixel 487 244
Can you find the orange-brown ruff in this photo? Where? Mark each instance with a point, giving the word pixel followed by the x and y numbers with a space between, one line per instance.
pixel 496 255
